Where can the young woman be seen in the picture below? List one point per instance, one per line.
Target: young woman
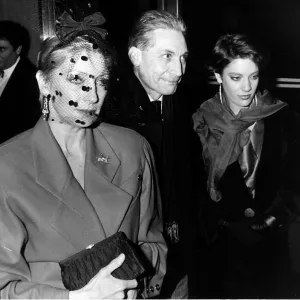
(69, 182)
(250, 143)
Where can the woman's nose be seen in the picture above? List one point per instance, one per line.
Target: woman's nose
(247, 86)
(92, 96)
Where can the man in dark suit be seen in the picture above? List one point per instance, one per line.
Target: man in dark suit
(19, 93)
(148, 104)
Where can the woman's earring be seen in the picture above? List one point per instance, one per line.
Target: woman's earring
(45, 110)
(220, 93)
(255, 100)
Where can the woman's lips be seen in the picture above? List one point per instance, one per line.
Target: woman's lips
(90, 112)
(245, 97)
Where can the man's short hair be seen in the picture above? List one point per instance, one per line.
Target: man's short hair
(150, 21)
(15, 33)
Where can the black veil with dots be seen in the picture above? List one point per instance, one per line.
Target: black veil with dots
(78, 82)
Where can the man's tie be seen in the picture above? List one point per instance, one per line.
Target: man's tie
(157, 105)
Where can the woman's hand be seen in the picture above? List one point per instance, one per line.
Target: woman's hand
(242, 231)
(132, 294)
(265, 224)
(104, 285)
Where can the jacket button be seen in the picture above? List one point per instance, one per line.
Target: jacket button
(249, 212)
(157, 287)
(140, 177)
(151, 289)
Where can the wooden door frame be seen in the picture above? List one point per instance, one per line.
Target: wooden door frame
(47, 18)
(173, 6)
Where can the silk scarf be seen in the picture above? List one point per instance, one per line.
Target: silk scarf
(223, 134)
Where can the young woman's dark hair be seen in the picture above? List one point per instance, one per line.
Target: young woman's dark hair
(233, 46)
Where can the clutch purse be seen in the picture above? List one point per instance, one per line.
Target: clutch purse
(78, 269)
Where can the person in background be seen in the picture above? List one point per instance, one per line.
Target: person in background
(150, 102)
(71, 181)
(19, 92)
(250, 146)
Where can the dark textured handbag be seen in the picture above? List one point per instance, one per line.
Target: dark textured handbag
(78, 269)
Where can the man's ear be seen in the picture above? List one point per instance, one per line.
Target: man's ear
(218, 77)
(18, 50)
(43, 85)
(135, 56)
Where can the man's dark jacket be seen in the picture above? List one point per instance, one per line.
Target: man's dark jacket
(19, 101)
(171, 137)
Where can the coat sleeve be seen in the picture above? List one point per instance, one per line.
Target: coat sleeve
(15, 273)
(286, 205)
(150, 236)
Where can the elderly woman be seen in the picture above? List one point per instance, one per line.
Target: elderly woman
(70, 182)
(250, 144)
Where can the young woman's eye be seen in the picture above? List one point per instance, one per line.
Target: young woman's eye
(167, 56)
(255, 77)
(235, 78)
(75, 78)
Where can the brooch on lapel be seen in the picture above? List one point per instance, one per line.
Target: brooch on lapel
(102, 158)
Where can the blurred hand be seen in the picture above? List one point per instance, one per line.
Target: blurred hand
(104, 286)
(265, 224)
(242, 232)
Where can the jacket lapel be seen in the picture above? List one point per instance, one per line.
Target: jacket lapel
(12, 82)
(76, 220)
(110, 202)
(143, 102)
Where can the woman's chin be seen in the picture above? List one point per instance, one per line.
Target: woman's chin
(84, 121)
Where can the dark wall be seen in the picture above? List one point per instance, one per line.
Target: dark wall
(120, 16)
(275, 23)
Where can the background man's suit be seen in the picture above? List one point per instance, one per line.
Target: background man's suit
(19, 101)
